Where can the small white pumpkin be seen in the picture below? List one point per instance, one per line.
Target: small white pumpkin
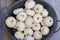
(29, 38)
(19, 35)
(29, 4)
(44, 13)
(16, 11)
(20, 26)
(21, 16)
(37, 18)
(36, 26)
(37, 35)
(29, 21)
(28, 31)
(38, 8)
(48, 21)
(30, 12)
(44, 30)
(11, 22)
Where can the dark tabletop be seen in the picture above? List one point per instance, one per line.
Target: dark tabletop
(6, 3)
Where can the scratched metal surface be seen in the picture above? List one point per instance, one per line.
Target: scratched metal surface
(54, 3)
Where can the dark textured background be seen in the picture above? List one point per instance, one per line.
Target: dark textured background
(6, 3)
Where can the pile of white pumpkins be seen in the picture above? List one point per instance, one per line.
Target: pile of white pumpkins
(31, 23)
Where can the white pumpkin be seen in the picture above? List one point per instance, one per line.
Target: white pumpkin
(38, 8)
(20, 26)
(28, 31)
(44, 30)
(36, 26)
(29, 4)
(29, 38)
(37, 18)
(30, 12)
(21, 16)
(48, 21)
(37, 35)
(16, 11)
(44, 13)
(19, 35)
(11, 22)
(29, 22)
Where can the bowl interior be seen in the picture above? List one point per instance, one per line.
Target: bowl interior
(20, 4)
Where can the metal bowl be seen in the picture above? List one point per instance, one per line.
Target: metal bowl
(20, 4)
